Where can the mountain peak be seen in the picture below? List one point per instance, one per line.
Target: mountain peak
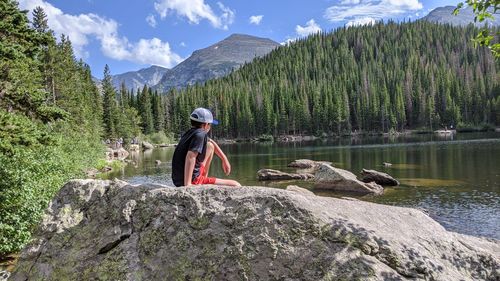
(217, 60)
(149, 76)
(466, 16)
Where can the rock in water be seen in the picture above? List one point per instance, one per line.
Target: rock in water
(328, 177)
(378, 177)
(146, 145)
(134, 147)
(306, 164)
(270, 174)
(120, 153)
(103, 230)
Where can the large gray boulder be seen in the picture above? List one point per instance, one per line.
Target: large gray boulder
(270, 174)
(328, 177)
(378, 177)
(103, 230)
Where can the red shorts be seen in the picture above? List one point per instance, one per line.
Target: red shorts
(202, 178)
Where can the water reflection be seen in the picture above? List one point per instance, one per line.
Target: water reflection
(455, 178)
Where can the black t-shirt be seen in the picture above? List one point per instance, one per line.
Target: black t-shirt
(195, 139)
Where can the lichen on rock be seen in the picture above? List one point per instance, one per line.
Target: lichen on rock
(151, 232)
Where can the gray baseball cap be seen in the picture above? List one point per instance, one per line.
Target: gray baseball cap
(203, 115)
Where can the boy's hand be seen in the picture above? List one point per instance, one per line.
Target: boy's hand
(226, 166)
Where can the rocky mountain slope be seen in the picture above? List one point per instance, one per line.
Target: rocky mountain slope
(216, 60)
(149, 76)
(110, 230)
(445, 15)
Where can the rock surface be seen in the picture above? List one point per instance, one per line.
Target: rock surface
(215, 61)
(109, 154)
(91, 173)
(270, 174)
(378, 177)
(120, 153)
(4, 275)
(103, 230)
(328, 177)
(146, 145)
(134, 147)
(306, 164)
(299, 189)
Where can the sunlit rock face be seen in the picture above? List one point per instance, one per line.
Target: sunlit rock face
(444, 15)
(216, 61)
(110, 230)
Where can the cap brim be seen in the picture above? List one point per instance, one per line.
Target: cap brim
(215, 122)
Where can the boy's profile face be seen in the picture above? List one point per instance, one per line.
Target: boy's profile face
(206, 126)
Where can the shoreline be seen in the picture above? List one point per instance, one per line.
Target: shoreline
(301, 138)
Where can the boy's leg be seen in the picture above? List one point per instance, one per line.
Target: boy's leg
(227, 182)
(208, 157)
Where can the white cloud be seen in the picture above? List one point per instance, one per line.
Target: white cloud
(358, 11)
(310, 28)
(154, 51)
(195, 11)
(349, 2)
(288, 41)
(81, 28)
(256, 19)
(361, 21)
(183, 44)
(151, 20)
(227, 16)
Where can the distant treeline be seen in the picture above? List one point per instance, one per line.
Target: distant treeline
(368, 78)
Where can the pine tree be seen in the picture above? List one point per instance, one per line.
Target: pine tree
(109, 104)
(145, 110)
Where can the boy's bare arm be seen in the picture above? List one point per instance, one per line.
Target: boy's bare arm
(226, 166)
(189, 167)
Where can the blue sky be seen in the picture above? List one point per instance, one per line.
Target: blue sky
(130, 34)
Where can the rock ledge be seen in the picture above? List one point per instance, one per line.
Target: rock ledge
(110, 230)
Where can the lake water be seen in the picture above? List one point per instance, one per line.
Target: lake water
(456, 179)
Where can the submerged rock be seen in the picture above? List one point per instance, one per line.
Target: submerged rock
(328, 177)
(378, 177)
(270, 174)
(104, 230)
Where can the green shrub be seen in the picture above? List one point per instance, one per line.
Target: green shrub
(31, 174)
(160, 138)
(265, 137)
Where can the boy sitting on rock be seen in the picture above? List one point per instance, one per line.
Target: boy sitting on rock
(193, 155)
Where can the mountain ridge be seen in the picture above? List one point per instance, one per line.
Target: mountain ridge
(216, 60)
(149, 76)
(466, 16)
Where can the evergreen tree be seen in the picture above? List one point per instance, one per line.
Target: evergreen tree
(367, 78)
(145, 111)
(109, 105)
